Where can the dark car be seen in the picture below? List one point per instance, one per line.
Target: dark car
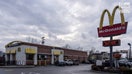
(107, 63)
(92, 61)
(60, 63)
(124, 62)
(87, 62)
(75, 62)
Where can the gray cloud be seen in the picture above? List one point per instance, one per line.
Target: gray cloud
(62, 22)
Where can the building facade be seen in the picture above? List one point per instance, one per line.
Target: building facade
(24, 53)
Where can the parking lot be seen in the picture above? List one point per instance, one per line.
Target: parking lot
(80, 69)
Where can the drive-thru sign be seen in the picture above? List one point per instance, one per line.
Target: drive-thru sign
(111, 43)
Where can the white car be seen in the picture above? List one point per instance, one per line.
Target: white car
(68, 62)
(125, 62)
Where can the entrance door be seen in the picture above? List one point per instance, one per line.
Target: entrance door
(57, 55)
(13, 59)
(29, 59)
(8, 59)
(56, 59)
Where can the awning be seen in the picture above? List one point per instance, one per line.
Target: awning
(13, 51)
(30, 51)
(7, 51)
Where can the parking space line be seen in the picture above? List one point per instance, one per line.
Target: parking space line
(8, 70)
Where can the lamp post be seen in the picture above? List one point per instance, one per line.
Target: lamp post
(129, 50)
(43, 40)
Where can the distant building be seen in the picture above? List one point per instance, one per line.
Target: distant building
(1, 53)
(124, 53)
(2, 58)
(98, 56)
(24, 53)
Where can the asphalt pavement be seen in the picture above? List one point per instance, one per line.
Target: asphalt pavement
(80, 69)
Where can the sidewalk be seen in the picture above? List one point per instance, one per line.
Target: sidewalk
(16, 66)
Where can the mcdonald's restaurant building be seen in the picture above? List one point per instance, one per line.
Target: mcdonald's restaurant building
(24, 53)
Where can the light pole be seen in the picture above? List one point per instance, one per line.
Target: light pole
(43, 40)
(129, 50)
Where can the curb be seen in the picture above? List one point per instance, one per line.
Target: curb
(17, 66)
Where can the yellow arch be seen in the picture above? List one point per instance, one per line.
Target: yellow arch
(11, 43)
(121, 15)
(102, 18)
(111, 17)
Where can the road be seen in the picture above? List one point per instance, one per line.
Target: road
(81, 69)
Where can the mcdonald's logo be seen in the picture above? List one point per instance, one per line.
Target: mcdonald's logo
(112, 29)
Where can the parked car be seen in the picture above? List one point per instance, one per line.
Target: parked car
(92, 61)
(75, 62)
(68, 62)
(130, 62)
(87, 62)
(125, 62)
(106, 63)
(60, 63)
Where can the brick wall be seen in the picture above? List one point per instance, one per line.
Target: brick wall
(68, 53)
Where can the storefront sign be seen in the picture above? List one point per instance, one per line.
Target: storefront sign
(116, 29)
(56, 52)
(30, 51)
(111, 43)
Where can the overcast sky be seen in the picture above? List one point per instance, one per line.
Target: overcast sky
(61, 22)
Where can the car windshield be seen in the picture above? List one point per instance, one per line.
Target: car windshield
(61, 61)
(123, 59)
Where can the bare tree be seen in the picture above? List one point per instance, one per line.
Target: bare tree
(92, 50)
(66, 46)
(80, 48)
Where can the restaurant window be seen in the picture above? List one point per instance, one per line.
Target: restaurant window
(29, 56)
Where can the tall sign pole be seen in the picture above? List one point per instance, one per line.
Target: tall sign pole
(112, 30)
(111, 53)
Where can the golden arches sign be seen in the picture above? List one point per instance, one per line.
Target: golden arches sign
(120, 28)
(111, 17)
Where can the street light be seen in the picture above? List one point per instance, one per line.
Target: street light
(43, 40)
(129, 50)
